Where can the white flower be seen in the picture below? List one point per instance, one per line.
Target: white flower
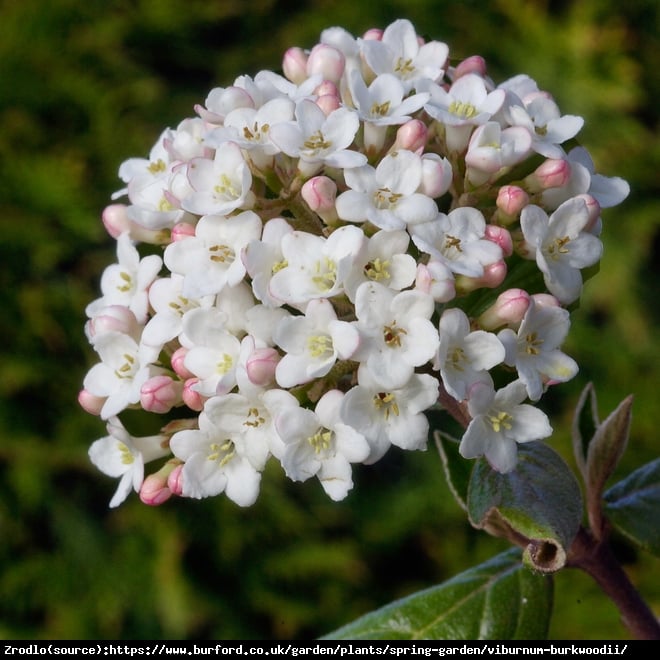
(399, 52)
(388, 417)
(169, 307)
(313, 343)
(548, 128)
(213, 351)
(313, 266)
(464, 357)
(318, 443)
(396, 332)
(387, 195)
(560, 246)
(221, 185)
(123, 369)
(119, 454)
(499, 421)
(318, 140)
(534, 349)
(457, 240)
(491, 148)
(384, 259)
(214, 463)
(127, 282)
(211, 259)
(263, 258)
(382, 103)
(466, 102)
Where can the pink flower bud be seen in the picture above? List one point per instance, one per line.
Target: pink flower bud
(473, 64)
(90, 402)
(160, 394)
(436, 175)
(175, 480)
(552, 173)
(193, 399)
(510, 201)
(493, 276)
(437, 280)
(327, 87)
(260, 366)
(182, 230)
(328, 103)
(374, 34)
(115, 219)
(508, 309)
(177, 362)
(294, 65)
(327, 61)
(155, 488)
(320, 193)
(501, 237)
(411, 136)
(113, 318)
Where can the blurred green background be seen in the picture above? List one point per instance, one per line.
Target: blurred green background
(85, 85)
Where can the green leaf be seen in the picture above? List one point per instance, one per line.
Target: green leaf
(499, 599)
(538, 505)
(457, 469)
(606, 448)
(633, 506)
(585, 423)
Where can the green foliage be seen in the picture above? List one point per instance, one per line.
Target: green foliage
(500, 599)
(87, 85)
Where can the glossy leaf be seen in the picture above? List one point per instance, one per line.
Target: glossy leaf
(499, 599)
(538, 505)
(633, 506)
(457, 469)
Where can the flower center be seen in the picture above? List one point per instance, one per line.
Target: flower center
(126, 455)
(224, 364)
(377, 270)
(319, 345)
(254, 418)
(257, 134)
(128, 282)
(557, 247)
(501, 420)
(392, 335)
(326, 274)
(532, 344)
(316, 142)
(453, 243)
(221, 254)
(386, 403)
(221, 453)
(158, 166)
(404, 67)
(321, 440)
(380, 109)
(384, 198)
(127, 369)
(226, 189)
(462, 109)
(455, 358)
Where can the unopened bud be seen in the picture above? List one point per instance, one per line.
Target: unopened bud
(328, 103)
(175, 480)
(294, 65)
(178, 363)
(115, 219)
(493, 276)
(182, 230)
(374, 34)
(473, 64)
(113, 318)
(326, 61)
(90, 402)
(437, 280)
(192, 398)
(155, 489)
(436, 175)
(411, 135)
(160, 394)
(594, 224)
(510, 202)
(320, 193)
(500, 236)
(552, 173)
(545, 300)
(508, 309)
(260, 366)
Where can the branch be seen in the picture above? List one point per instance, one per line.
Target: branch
(596, 558)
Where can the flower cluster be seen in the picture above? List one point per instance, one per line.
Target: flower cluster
(326, 254)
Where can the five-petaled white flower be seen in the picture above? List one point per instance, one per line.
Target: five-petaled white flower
(119, 454)
(534, 349)
(561, 246)
(499, 421)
